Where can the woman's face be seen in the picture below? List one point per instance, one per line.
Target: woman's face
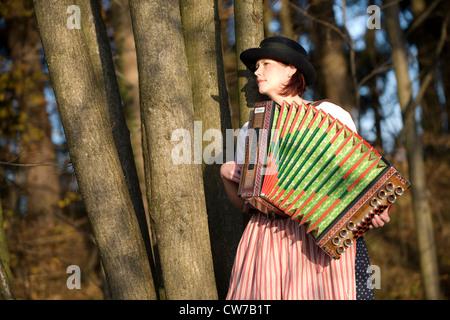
(272, 76)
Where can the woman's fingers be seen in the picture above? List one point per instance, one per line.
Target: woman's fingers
(237, 173)
(231, 171)
(382, 219)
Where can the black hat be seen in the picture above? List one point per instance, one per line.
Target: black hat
(284, 50)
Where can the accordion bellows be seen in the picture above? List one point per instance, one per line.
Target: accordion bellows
(303, 163)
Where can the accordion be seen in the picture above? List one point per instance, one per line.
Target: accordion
(304, 164)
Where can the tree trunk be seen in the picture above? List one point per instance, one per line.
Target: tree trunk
(249, 31)
(177, 199)
(421, 207)
(41, 182)
(333, 64)
(286, 22)
(129, 87)
(211, 107)
(103, 66)
(126, 63)
(426, 38)
(371, 62)
(4, 252)
(6, 292)
(86, 121)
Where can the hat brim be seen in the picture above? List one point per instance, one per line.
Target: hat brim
(250, 56)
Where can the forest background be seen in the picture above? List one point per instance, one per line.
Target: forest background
(78, 99)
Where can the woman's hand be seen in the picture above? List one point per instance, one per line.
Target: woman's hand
(382, 219)
(231, 175)
(231, 170)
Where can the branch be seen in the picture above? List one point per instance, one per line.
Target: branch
(426, 81)
(422, 17)
(380, 69)
(323, 22)
(65, 164)
(352, 59)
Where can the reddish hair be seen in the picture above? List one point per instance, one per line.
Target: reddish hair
(295, 86)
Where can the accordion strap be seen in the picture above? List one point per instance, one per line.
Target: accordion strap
(249, 209)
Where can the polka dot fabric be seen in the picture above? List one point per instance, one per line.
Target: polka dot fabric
(362, 262)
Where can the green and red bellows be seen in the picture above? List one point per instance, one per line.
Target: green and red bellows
(305, 164)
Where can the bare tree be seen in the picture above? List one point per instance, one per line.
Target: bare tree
(6, 292)
(421, 206)
(85, 115)
(211, 107)
(175, 188)
(249, 30)
(4, 252)
(100, 55)
(333, 66)
(287, 24)
(128, 78)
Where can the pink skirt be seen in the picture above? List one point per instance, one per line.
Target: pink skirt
(277, 260)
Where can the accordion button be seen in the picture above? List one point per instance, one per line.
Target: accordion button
(340, 250)
(343, 233)
(389, 186)
(348, 242)
(374, 202)
(351, 225)
(391, 198)
(382, 194)
(336, 241)
(399, 191)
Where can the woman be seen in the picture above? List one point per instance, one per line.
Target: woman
(275, 258)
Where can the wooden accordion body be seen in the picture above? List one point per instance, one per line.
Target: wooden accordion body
(304, 164)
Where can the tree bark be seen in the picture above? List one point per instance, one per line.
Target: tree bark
(371, 62)
(6, 292)
(128, 79)
(177, 199)
(421, 206)
(4, 252)
(211, 107)
(86, 121)
(286, 22)
(100, 55)
(333, 64)
(249, 32)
